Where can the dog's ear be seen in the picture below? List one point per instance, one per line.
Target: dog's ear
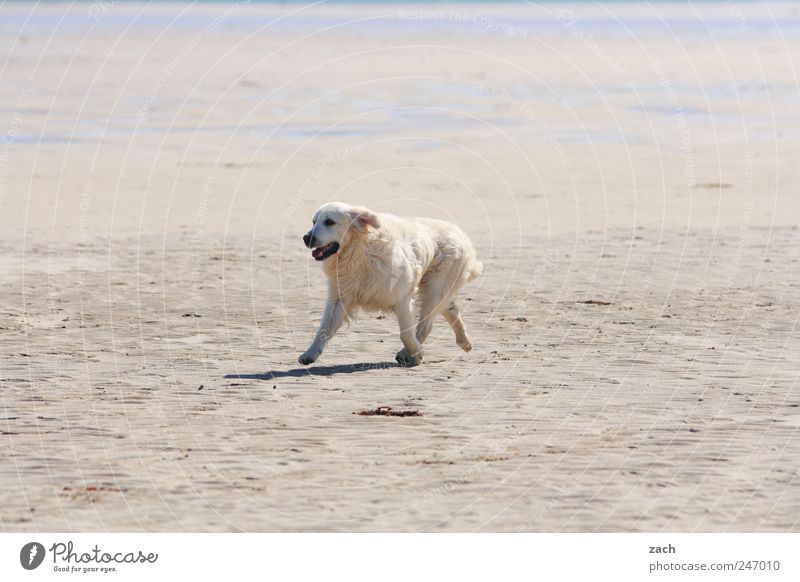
(363, 217)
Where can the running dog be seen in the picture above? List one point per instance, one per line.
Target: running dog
(382, 262)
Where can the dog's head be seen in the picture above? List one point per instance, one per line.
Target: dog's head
(333, 223)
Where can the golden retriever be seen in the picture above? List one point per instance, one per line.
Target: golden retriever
(382, 262)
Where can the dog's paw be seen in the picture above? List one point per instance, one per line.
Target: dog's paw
(465, 345)
(407, 359)
(308, 358)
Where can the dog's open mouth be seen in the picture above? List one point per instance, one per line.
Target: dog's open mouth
(322, 253)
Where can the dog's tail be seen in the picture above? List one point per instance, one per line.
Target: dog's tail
(473, 270)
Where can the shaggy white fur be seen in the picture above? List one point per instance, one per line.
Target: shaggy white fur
(388, 263)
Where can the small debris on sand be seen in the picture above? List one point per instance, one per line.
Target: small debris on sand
(595, 302)
(95, 489)
(719, 185)
(388, 411)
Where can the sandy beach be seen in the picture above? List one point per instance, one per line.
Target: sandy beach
(628, 174)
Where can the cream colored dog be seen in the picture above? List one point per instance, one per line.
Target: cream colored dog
(382, 262)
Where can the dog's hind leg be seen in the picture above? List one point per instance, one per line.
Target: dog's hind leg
(411, 354)
(453, 317)
(332, 319)
(431, 297)
(435, 296)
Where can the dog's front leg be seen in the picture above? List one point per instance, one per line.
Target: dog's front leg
(332, 319)
(411, 354)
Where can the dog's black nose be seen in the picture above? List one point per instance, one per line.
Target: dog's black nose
(307, 240)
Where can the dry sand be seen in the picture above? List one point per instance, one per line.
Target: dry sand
(157, 173)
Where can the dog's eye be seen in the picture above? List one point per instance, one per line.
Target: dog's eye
(329, 222)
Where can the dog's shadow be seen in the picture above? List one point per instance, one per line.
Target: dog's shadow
(316, 371)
